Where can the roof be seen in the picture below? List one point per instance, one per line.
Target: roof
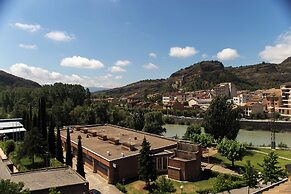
(43, 179)
(11, 126)
(124, 135)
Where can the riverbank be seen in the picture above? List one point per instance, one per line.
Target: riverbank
(253, 137)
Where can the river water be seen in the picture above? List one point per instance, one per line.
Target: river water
(257, 138)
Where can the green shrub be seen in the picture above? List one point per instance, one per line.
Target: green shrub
(9, 147)
(121, 187)
(204, 191)
(282, 145)
(164, 186)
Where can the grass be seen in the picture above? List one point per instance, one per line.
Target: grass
(283, 153)
(137, 187)
(254, 157)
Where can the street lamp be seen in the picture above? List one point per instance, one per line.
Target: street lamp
(181, 188)
(273, 143)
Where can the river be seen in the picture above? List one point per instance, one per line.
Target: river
(257, 138)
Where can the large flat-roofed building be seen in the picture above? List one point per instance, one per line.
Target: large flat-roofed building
(113, 151)
(65, 179)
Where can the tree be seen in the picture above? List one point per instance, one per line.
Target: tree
(205, 140)
(191, 130)
(221, 119)
(137, 119)
(59, 150)
(222, 183)
(9, 147)
(69, 156)
(164, 186)
(147, 171)
(8, 187)
(52, 139)
(154, 122)
(54, 191)
(33, 145)
(42, 117)
(232, 150)
(80, 162)
(271, 171)
(250, 176)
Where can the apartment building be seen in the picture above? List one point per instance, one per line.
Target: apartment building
(285, 108)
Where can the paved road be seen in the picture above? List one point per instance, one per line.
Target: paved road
(97, 182)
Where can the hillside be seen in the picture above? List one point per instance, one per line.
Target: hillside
(206, 74)
(9, 80)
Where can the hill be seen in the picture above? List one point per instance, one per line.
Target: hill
(206, 74)
(9, 80)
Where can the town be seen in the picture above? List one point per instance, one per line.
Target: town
(145, 97)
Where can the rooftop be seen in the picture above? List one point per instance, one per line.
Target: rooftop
(125, 138)
(44, 178)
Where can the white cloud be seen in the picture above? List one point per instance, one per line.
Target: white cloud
(152, 55)
(227, 54)
(59, 36)
(122, 63)
(116, 69)
(182, 52)
(118, 77)
(28, 46)
(204, 56)
(150, 66)
(28, 27)
(43, 76)
(81, 62)
(279, 51)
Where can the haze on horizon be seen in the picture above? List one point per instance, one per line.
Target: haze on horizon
(110, 43)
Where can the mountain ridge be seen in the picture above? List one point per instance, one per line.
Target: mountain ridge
(206, 74)
(9, 80)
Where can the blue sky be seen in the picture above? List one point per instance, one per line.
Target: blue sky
(111, 43)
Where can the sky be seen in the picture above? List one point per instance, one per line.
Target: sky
(111, 43)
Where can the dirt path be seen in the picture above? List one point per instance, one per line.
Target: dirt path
(281, 157)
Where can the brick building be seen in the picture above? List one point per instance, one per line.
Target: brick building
(185, 164)
(113, 151)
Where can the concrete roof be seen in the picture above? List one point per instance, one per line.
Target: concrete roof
(44, 179)
(101, 148)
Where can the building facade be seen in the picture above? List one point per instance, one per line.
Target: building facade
(285, 108)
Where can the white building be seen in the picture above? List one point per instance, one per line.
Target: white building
(11, 129)
(285, 108)
(241, 99)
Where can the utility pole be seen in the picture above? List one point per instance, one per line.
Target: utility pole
(273, 142)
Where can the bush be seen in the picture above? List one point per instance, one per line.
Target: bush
(121, 187)
(282, 145)
(168, 120)
(9, 147)
(164, 186)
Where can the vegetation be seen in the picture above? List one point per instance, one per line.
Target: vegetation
(164, 186)
(121, 187)
(250, 175)
(221, 119)
(226, 182)
(232, 150)
(54, 191)
(271, 171)
(52, 140)
(9, 146)
(33, 145)
(80, 162)
(147, 171)
(8, 187)
(69, 156)
(59, 150)
(192, 130)
(154, 123)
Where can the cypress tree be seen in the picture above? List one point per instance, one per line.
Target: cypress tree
(59, 151)
(80, 162)
(52, 139)
(147, 170)
(69, 156)
(42, 117)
